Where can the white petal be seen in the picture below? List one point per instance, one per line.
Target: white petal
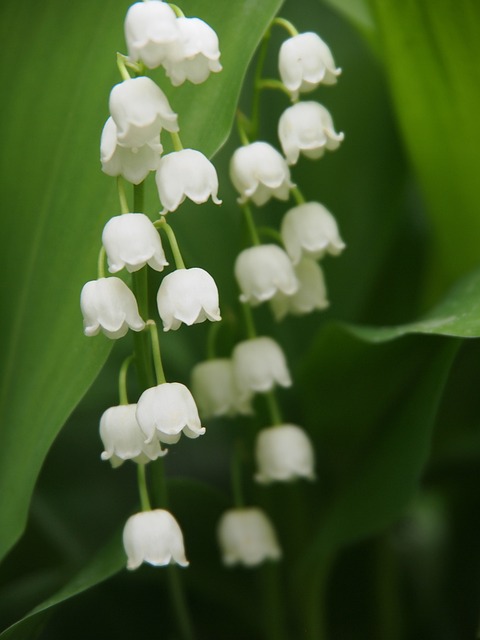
(284, 453)
(258, 365)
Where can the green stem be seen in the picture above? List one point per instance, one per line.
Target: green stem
(268, 232)
(298, 195)
(252, 229)
(177, 256)
(236, 475)
(177, 595)
(276, 85)
(249, 323)
(178, 12)
(122, 67)
(212, 340)
(177, 143)
(143, 354)
(101, 262)
(122, 196)
(122, 380)
(273, 408)
(287, 25)
(142, 488)
(241, 121)
(157, 358)
(138, 197)
(274, 611)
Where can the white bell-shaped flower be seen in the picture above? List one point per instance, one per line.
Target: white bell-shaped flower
(262, 271)
(133, 164)
(196, 54)
(246, 536)
(258, 172)
(153, 537)
(311, 294)
(140, 110)
(166, 410)
(131, 241)
(215, 391)
(108, 304)
(151, 32)
(123, 439)
(310, 229)
(186, 174)
(307, 127)
(258, 365)
(305, 61)
(189, 296)
(284, 453)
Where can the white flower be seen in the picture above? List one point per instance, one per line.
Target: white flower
(186, 174)
(246, 536)
(258, 171)
(151, 32)
(196, 54)
(131, 241)
(166, 410)
(262, 271)
(214, 389)
(283, 453)
(305, 61)
(134, 164)
(258, 365)
(189, 296)
(140, 110)
(109, 305)
(310, 229)
(123, 439)
(154, 537)
(307, 127)
(311, 294)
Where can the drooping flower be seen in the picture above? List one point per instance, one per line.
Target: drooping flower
(131, 241)
(258, 365)
(186, 174)
(305, 61)
(310, 229)
(263, 271)
(108, 304)
(123, 439)
(214, 389)
(166, 410)
(151, 32)
(307, 127)
(153, 537)
(258, 172)
(189, 296)
(196, 54)
(140, 110)
(246, 536)
(311, 294)
(284, 453)
(133, 164)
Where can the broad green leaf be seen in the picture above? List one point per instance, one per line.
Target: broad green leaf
(56, 201)
(358, 13)
(457, 315)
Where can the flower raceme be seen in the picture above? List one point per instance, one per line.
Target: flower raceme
(153, 537)
(108, 305)
(284, 452)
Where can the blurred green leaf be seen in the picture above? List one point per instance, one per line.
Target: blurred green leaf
(457, 315)
(56, 201)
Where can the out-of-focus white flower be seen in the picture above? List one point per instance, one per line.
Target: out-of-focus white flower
(310, 229)
(166, 410)
(262, 271)
(108, 304)
(151, 32)
(123, 439)
(246, 536)
(258, 365)
(311, 294)
(133, 164)
(131, 241)
(307, 127)
(189, 296)
(186, 174)
(196, 54)
(153, 537)
(215, 392)
(283, 453)
(258, 172)
(305, 61)
(140, 110)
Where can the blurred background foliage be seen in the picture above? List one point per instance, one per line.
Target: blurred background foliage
(384, 544)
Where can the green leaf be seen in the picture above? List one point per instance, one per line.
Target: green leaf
(56, 201)
(457, 315)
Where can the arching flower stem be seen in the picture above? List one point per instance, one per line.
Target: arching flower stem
(177, 143)
(157, 358)
(142, 488)
(122, 380)
(177, 256)
(236, 475)
(178, 12)
(298, 195)
(252, 229)
(285, 24)
(122, 196)
(277, 85)
(249, 323)
(268, 232)
(101, 262)
(243, 123)
(273, 408)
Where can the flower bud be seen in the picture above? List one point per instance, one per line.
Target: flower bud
(283, 453)
(258, 365)
(214, 389)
